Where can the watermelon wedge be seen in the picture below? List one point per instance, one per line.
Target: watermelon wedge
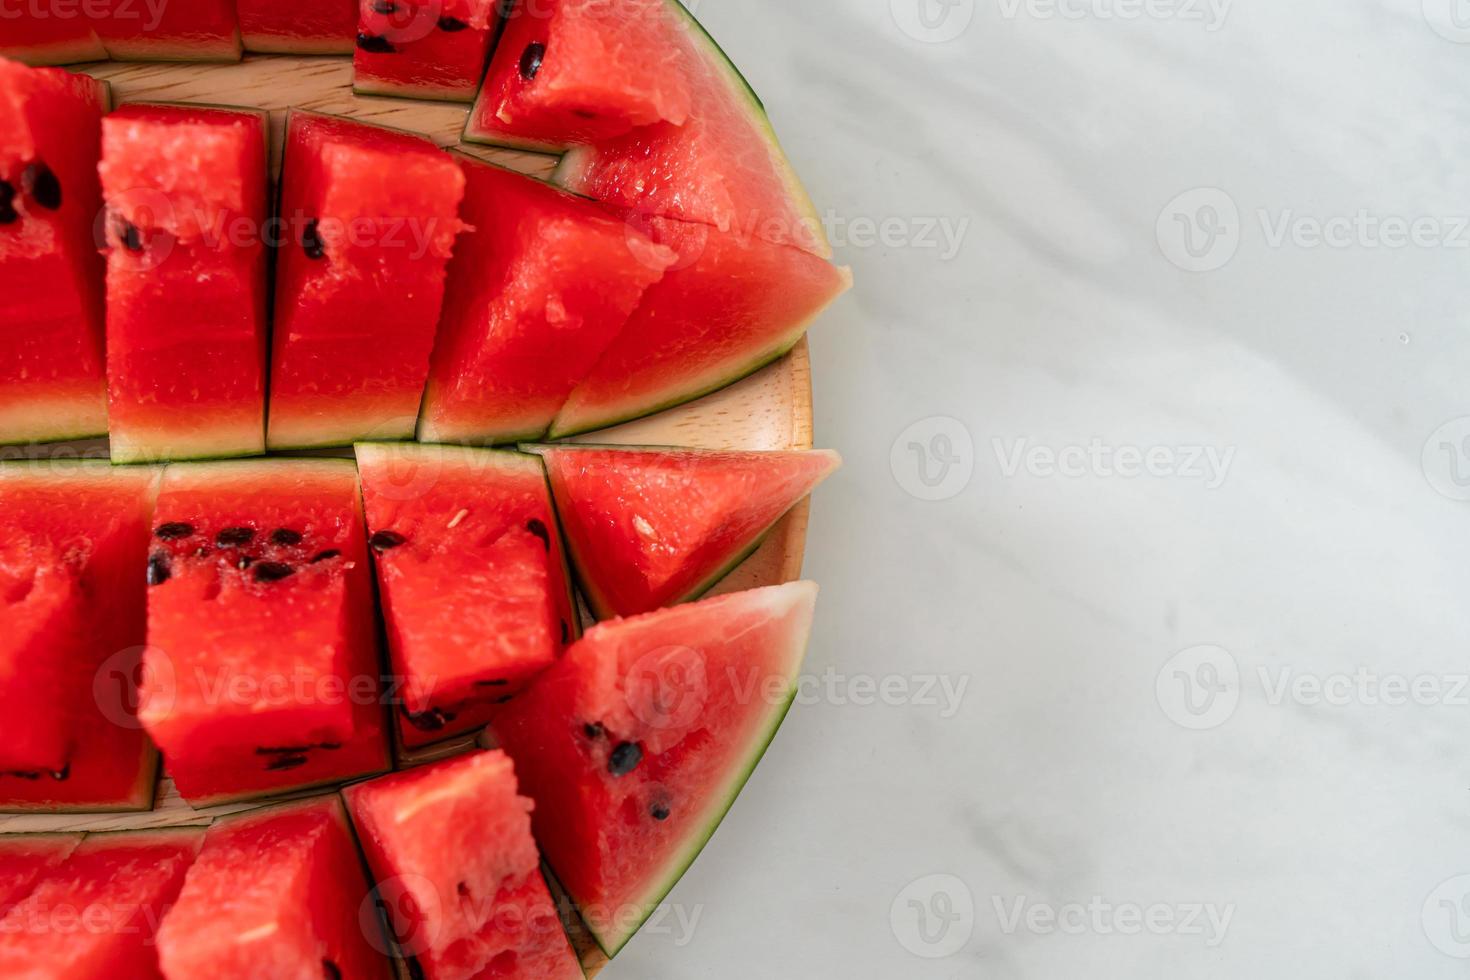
(371, 215)
(729, 307)
(450, 845)
(278, 892)
(138, 30)
(637, 742)
(73, 538)
(648, 528)
(50, 40)
(537, 291)
(24, 858)
(95, 916)
(53, 379)
(261, 673)
(423, 49)
(474, 586)
(187, 314)
(580, 71)
(289, 27)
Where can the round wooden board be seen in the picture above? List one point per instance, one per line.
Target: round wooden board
(770, 410)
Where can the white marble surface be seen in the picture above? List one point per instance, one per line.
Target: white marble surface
(1319, 546)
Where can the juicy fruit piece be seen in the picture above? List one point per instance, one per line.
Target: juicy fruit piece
(637, 742)
(371, 215)
(200, 30)
(52, 369)
(72, 541)
(648, 528)
(423, 49)
(275, 893)
(537, 291)
(95, 916)
(290, 27)
(51, 41)
(185, 189)
(451, 847)
(474, 586)
(580, 71)
(723, 166)
(729, 307)
(261, 671)
(24, 858)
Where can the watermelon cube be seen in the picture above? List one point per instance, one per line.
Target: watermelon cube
(52, 40)
(278, 892)
(423, 49)
(24, 858)
(539, 286)
(291, 27)
(53, 380)
(370, 215)
(187, 314)
(450, 845)
(261, 673)
(475, 591)
(160, 30)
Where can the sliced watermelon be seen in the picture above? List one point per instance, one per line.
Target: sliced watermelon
(138, 30)
(423, 49)
(73, 538)
(474, 586)
(370, 216)
(723, 166)
(261, 673)
(95, 916)
(52, 369)
(290, 27)
(537, 291)
(24, 858)
(728, 308)
(451, 848)
(187, 313)
(50, 40)
(278, 892)
(579, 71)
(637, 742)
(648, 528)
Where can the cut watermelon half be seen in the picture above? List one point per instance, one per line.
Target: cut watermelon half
(73, 539)
(291, 27)
(474, 586)
(135, 30)
(423, 49)
(53, 379)
(187, 314)
(278, 892)
(261, 673)
(648, 528)
(451, 848)
(635, 745)
(51, 40)
(95, 916)
(537, 291)
(24, 858)
(580, 71)
(370, 216)
(728, 308)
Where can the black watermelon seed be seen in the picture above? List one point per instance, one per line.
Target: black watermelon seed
(451, 25)
(505, 700)
(385, 7)
(233, 537)
(330, 971)
(463, 889)
(8, 214)
(531, 59)
(625, 758)
(311, 236)
(29, 776)
(41, 184)
(285, 537)
(272, 571)
(245, 562)
(326, 555)
(159, 570)
(376, 45)
(432, 720)
(536, 527)
(173, 531)
(658, 812)
(491, 683)
(129, 235)
(386, 540)
(594, 730)
(286, 762)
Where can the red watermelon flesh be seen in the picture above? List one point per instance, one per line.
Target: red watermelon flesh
(423, 49)
(728, 308)
(637, 742)
(470, 568)
(276, 893)
(53, 40)
(723, 166)
(52, 369)
(537, 291)
(95, 916)
(580, 71)
(261, 673)
(24, 858)
(648, 528)
(370, 216)
(74, 536)
(160, 30)
(291, 27)
(451, 847)
(187, 314)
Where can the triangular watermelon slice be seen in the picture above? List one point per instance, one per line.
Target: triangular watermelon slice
(649, 528)
(24, 858)
(635, 745)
